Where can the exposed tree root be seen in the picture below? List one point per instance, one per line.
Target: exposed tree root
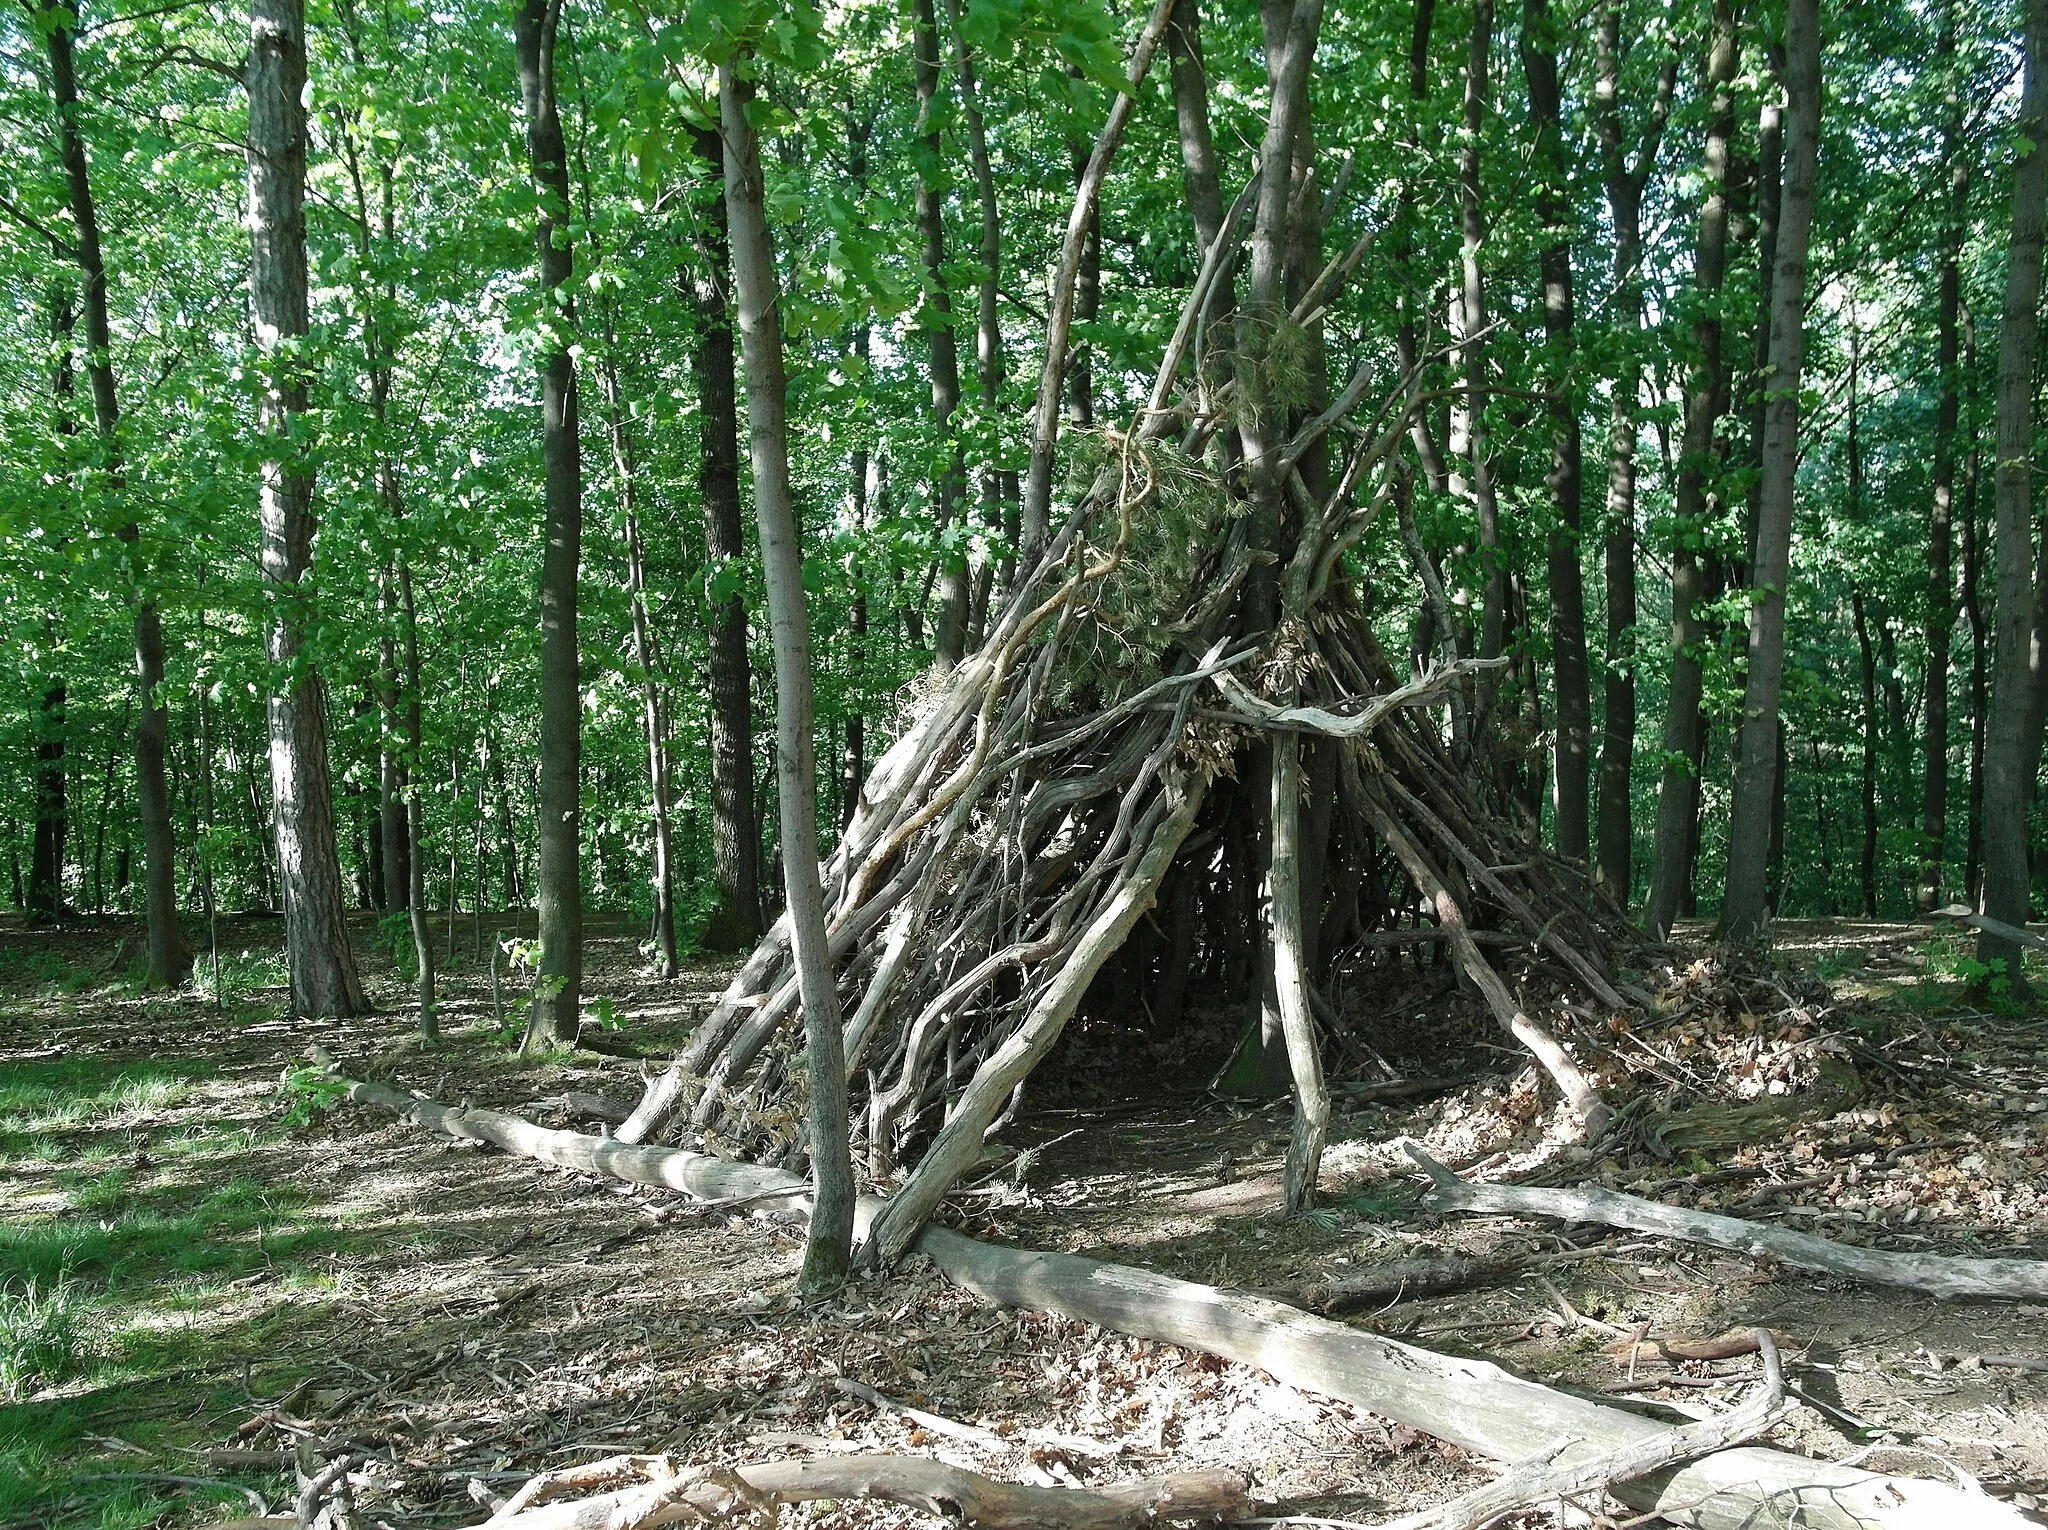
(1471, 1403)
(1936, 1274)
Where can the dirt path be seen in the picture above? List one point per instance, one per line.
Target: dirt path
(253, 1264)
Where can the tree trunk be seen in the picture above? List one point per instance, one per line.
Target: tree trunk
(1574, 701)
(1087, 297)
(1199, 173)
(1927, 892)
(45, 899)
(391, 832)
(1973, 611)
(415, 813)
(735, 923)
(1679, 789)
(557, 1001)
(1468, 331)
(950, 633)
(1035, 514)
(991, 366)
(827, 1251)
(323, 971)
(1867, 669)
(626, 468)
(1613, 867)
(168, 954)
(2012, 744)
(1744, 907)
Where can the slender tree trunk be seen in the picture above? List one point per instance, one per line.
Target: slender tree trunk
(1679, 789)
(1973, 611)
(1867, 667)
(950, 632)
(1035, 514)
(508, 839)
(1567, 476)
(1927, 893)
(991, 367)
(557, 1002)
(1199, 172)
(168, 954)
(1613, 866)
(1744, 907)
(1087, 298)
(1470, 331)
(854, 763)
(323, 971)
(735, 924)
(396, 892)
(415, 812)
(827, 1249)
(2012, 744)
(626, 468)
(45, 902)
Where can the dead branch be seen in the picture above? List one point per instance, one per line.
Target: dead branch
(1401, 1280)
(695, 1494)
(1936, 1274)
(936, 1423)
(1542, 1477)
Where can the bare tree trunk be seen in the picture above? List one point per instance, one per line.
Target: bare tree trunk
(323, 972)
(1035, 516)
(397, 889)
(2012, 745)
(1927, 893)
(1973, 611)
(627, 471)
(1744, 908)
(950, 633)
(1867, 670)
(169, 956)
(991, 366)
(557, 1000)
(1570, 831)
(415, 813)
(735, 924)
(1469, 330)
(45, 901)
(2012, 742)
(828, 1247)
(1613, 866)
(1678, 791)
(1199, 172)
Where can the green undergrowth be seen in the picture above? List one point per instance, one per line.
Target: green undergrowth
(149, 1248)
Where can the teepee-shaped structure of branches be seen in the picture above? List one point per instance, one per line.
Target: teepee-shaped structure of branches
(1078, 769)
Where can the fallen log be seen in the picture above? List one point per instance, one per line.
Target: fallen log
(1673, 1350)
(1471, 1403)
(1936, 1274)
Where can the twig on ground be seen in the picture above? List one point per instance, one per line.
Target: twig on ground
(255, 1499)
(973, 1434)
(1937, 1274)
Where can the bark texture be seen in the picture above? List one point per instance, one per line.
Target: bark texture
(828, 1250)
(558, 993)
(2012, 744)
(323, 971)
(735, 923)
(1745, 905)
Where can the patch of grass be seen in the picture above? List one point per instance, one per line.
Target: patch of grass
(47, 1334)
(49, 1477)
(71, 1092)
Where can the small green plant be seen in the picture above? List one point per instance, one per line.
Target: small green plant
(305, 1091)
(1389, 1204)
(45, 1335)
(603, 1014)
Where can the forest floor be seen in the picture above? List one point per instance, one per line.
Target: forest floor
(197, 1255)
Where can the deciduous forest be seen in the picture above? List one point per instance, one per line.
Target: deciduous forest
(1040, 761)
